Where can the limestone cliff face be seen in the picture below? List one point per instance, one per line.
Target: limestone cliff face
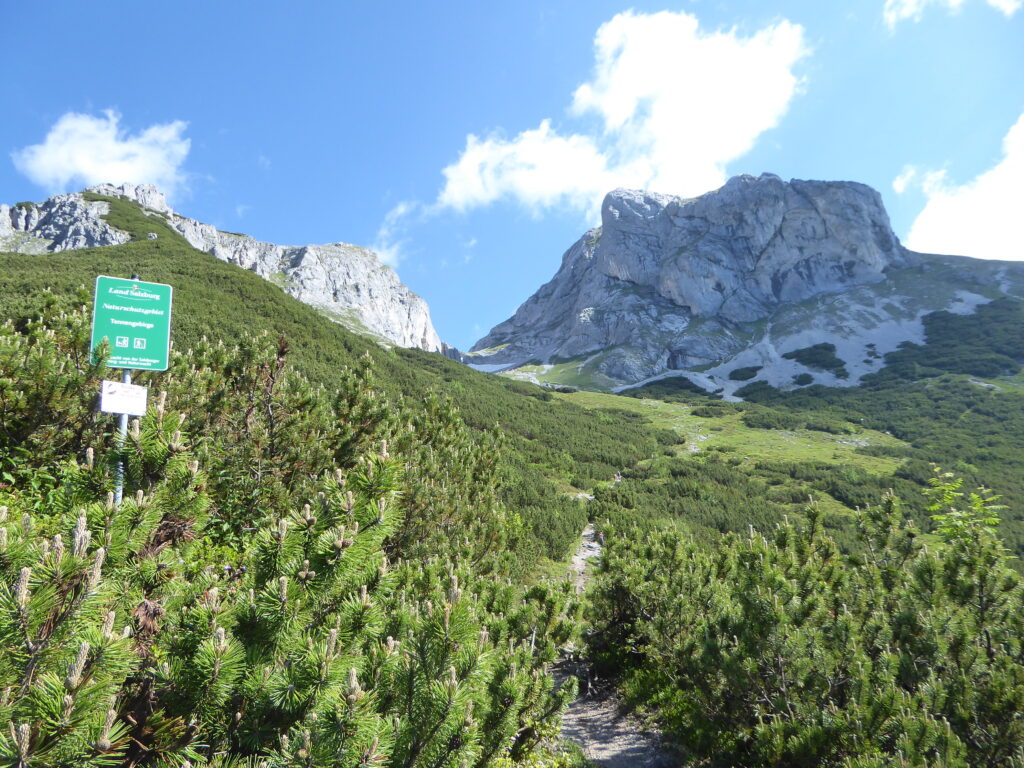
(755, 243)
(346, 282)
(62, 223)
(668, 284)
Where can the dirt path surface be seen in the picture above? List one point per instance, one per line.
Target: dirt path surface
(588, 550)
(607, 737)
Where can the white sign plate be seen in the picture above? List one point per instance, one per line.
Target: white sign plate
(117, 397)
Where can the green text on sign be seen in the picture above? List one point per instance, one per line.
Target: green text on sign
(135, 319)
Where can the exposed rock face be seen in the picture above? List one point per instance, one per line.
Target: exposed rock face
(62, 223)
(346, 282)
(146, 195)
(671, 284)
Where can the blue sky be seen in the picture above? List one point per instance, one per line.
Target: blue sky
(471, 143)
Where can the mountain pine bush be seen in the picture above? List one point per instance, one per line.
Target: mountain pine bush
(278, 587)
(779, 650)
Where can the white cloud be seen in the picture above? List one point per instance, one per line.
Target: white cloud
(896, 11)
(83, 150)
(1006, 7)
(389, 242)
(905, 179)
(537, 167)
(673, 105)
(979, 218)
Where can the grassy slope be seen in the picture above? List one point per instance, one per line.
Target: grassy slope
(748, 449)
(554, 446)
(729, 434)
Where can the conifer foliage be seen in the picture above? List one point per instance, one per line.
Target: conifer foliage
(779, 650)
(252, 601)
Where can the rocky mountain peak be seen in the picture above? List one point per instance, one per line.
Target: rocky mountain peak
(62, 223)
(668, 285)
(146, 195)
(739, 251)
(347, 283)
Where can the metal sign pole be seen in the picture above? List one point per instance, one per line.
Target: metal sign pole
(122, 436)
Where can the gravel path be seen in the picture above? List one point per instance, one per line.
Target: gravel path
(588, 550)
(606, 736)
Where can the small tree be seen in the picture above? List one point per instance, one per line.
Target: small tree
(954, 521)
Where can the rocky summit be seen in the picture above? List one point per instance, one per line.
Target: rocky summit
(346, 282)
(62, 223)
(739, 279)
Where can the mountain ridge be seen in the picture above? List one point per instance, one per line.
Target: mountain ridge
(346, 282)
(735, 279)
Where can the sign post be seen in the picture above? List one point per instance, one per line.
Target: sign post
(134, 318)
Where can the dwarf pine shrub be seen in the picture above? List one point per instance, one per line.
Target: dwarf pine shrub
(256, 598)
(776, 649)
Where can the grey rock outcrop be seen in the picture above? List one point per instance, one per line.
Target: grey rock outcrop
(668, 284)
(146, 195)
(62, 223)
(346, 282)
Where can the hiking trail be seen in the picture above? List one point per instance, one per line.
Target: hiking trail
(607, 737)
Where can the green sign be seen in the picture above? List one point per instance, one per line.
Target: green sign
(135, 319)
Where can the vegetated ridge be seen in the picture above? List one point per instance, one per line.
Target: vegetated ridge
(347, 283)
